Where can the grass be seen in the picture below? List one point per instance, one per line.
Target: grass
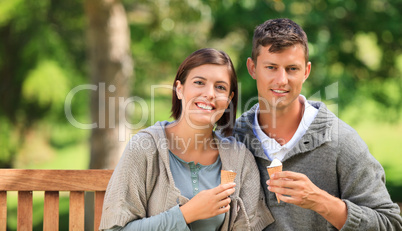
(385, 144)
(69, 157)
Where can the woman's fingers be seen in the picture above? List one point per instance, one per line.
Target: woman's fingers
(222, 187)
(224, 209)
(223, 191)
(224, 194)
(224, 202)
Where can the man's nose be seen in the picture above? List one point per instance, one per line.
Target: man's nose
(281, 77)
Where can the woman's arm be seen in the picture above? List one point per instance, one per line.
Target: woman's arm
(206, 204)
(169, 220)
(127, 192)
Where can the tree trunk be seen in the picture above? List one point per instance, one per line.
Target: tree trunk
(111, 67)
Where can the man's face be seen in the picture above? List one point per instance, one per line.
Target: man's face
(280, 76)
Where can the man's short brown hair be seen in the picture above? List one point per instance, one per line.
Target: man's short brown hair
(280, 33)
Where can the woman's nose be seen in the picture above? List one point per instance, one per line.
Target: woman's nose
(209, 92)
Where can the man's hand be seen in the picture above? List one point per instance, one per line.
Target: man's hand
(300, 191)
(208, 203)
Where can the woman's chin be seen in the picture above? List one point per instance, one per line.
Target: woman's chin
(201, 123)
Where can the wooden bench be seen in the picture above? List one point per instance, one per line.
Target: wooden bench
(77, 182)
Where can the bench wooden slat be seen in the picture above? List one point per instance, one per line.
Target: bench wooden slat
(77, 211)
(54, 180)
(24, 211)
(77, 182)
(3, 211)
(51, 211)
(99, 196)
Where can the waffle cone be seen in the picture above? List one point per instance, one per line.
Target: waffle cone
(227, 176)
(272, 170)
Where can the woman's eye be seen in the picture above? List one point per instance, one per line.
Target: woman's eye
(223, 88)
(198, 82)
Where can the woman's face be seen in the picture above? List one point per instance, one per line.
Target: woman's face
(205, 95)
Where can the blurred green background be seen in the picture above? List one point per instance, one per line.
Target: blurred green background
(355, 50)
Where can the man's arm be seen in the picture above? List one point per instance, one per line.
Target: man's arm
(368, 205)
(302, 192)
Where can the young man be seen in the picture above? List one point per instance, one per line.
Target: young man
(330, 179)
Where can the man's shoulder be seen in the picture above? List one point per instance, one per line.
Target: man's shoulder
(327, 117)
(246, 120)
(248, 114)
(341, 132)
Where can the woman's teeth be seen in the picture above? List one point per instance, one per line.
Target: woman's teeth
(204, 106)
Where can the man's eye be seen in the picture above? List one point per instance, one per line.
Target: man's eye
(270, 67)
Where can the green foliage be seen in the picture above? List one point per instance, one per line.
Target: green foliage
(162, 36)
(46, 85)
(8, 143)
(8, 10)
(38, 65)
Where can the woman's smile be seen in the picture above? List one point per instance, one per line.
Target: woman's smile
(205, 106)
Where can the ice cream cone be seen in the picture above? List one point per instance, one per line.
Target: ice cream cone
(227, 176)
(272, 170)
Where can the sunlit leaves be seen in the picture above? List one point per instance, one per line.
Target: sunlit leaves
(8, 9)
(46, 85)
(368, 51)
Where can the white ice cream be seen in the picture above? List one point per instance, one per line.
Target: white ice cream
(275, 163)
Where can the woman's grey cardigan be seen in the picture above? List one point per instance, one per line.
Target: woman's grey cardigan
(142, 184)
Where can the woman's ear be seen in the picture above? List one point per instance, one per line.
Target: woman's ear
(179, 90)
(231, 96)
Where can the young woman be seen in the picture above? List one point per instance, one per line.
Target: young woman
(169, 175)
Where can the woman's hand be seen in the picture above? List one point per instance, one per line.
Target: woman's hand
(208, 203)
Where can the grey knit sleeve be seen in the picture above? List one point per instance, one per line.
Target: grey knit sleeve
(126, 194)
(362, 184)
